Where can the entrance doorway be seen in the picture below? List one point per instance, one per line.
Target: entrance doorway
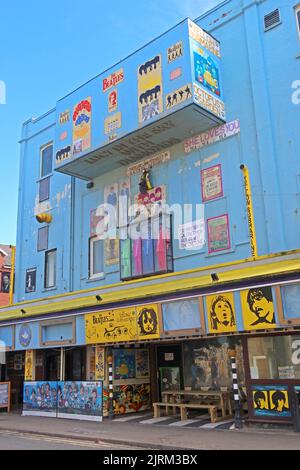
(52, 362)
(169, 364)
(75, 364)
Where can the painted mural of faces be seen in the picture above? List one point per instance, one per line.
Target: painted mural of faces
(147, 321)
(221, 313)
(261, 304)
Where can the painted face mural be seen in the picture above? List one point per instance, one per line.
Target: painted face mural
(271, 400)
(258, 308)
(148, 321)
(221, 313)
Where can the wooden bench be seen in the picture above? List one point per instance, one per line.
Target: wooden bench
(212, 409)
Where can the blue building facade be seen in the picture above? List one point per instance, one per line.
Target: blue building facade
(172, 123)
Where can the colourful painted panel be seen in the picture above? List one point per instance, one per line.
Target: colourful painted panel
(271, 400)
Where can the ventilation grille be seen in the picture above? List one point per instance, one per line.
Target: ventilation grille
(272, 19)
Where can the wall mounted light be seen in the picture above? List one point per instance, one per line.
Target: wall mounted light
(214, 277)
(90, 185)
(23, 311)
(98, 298)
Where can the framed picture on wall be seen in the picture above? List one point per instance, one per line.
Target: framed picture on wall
(211, 183)
(218, 237)
(30, 281)
(5, 282)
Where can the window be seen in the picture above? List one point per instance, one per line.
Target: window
(44, 189)
(146, 248)
(272, 19)
(274, 357)
(96, 258)
(50, 269)
(297, 12)
(46, 160)
(42, 243)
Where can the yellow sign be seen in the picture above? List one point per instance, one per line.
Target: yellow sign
(124, 324)
(221, 313)
(150, 98)
(258, 308)
(29, 365)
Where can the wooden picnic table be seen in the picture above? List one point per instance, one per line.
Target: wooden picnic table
(218, 397)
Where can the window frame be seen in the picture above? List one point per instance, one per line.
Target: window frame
(47, 253)
(46, 229)
(40, 181)
(42, 149)
(91, 275)
(297, 16)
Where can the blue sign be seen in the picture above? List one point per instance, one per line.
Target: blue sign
(25, 335)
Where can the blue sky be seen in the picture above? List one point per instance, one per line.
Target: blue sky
(49, 48)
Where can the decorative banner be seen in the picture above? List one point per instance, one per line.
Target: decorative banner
(124, 364)
(112, 80)
(216, 134)
(154, 196)
(29, 365)
(99, 363)
(79, 400)
(206, 71)
(82, 115)
(221, 313)
(218, 233)
(97, 223)
(157, 159)
(142, 363)
(191, 235)
(258, 308)
(112, 101)
(111, 251)
(64, 117)
(178, 96)
(150, 97)
(203, 38)
(40, 398)
(211, 183)
(271, 400)
(112, 123)
(175, 51)
(209, 102)
(126, 324)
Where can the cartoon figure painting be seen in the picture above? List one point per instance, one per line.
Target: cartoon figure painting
(271, 400)
(220, 312)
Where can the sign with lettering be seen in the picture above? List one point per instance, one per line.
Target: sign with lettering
(216, 134)
(112, 80)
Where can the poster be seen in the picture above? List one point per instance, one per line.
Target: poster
(203, 38)
(156, 195)
(271, 400)
(124, 324)
(208, 101)
(5, 282)
(112, 123)
(82, 115)
(124, 202)
(150, 94)
(124, 364)
(30, 282)
(258, 308)
(40, 398)
(99, 363)
(220, 311)
(218, 233)
(206, 71)
(131, 398)
(79, 400)
(111, 243)
(97, 223)
(169, 378)
(142, 363)
(211, 183)
(175, 51)
(4, 394)
(178, 96)
(191, 235)
(29, 365)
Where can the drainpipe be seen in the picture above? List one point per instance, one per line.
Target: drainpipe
(12, 276)
(250, 215)
(72, 231)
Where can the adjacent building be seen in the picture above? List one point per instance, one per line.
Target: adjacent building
(202, 120)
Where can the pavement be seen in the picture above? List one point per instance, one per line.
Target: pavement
(143, 433)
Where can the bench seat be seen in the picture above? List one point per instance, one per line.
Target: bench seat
(212, 409)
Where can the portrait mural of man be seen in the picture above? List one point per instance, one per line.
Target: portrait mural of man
(147, 320)
(258, 308)
(260, 399)
(5, 282)
(221, 313)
